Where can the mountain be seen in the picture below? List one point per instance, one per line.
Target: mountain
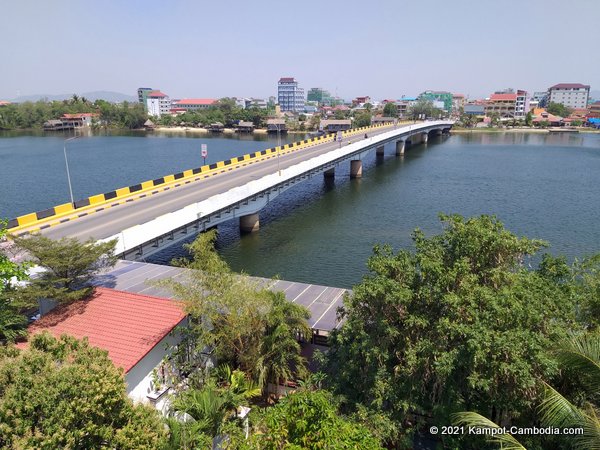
(109, 96)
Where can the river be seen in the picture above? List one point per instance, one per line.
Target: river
(540, 185)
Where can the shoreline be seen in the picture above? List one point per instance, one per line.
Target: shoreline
(516, 130)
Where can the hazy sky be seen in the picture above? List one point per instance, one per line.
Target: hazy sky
(381, 48)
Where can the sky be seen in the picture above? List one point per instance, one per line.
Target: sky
(380, 48)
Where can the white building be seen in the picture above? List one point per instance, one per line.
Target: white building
(157, 103)
(289, 96)
(571, 95)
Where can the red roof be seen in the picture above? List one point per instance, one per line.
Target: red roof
(78, 115)
(195, 101)
(569, 86)
(156, 94)
(127, 325)
(500, 97)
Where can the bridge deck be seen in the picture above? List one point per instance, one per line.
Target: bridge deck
(321, 301)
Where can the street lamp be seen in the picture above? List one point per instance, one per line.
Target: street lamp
(67, 165)
(278, 147)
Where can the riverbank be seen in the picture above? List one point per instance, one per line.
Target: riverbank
(517, 130)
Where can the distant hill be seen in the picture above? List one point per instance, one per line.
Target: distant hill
(595, 95)
(109, 96)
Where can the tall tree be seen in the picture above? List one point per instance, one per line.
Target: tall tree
(69, 266)
(65, 394)
(460, 324)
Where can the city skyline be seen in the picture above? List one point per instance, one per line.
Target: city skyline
(345, 47)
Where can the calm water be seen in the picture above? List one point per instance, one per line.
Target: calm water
(540, 185)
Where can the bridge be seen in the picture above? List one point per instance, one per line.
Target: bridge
(148, 216)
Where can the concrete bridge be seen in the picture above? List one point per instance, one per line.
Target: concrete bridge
(148, 216)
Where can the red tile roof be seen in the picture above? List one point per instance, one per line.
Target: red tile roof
(127, 325)
(503, 97)
(195, 101)
(156, 94)
(287, 80)
(569, 86)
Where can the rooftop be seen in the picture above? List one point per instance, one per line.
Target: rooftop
(156, 94)
(287, 80)
(503, 97)
(125, 324)
(195, 101)
(570, 86)
(78, 115)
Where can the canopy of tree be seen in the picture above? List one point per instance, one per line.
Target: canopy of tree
(69, 266)
(558, 109)
(65, 394)
(459, 324)
(33, 115)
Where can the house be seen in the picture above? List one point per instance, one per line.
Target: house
(245, 127)
(332, 125)
(134, 329)
(215, 127)
(276, 126)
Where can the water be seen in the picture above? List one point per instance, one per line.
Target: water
(540, 185)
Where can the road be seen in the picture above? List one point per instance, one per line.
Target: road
(111, 221)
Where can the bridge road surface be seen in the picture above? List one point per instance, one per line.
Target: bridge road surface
(113, 220)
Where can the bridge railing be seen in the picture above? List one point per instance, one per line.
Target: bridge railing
(56, 215)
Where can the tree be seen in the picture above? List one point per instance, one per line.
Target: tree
(309, 420)
(362, 119)
(460, 324)
(558, 109)
(390, 110)
(69, 267)
(529, 119)
(235, 317)
(12, 323)
(62, 393)
(423, 109)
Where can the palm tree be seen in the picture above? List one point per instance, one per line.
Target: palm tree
(280, 360)
(473, 419)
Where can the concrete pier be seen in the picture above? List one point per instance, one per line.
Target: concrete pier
(356, 168)
(249, 223)
(400, 148)
(329, 173)
(424, 138)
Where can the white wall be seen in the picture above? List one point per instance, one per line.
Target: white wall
(139, 378)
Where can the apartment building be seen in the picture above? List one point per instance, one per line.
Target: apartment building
(571, 95)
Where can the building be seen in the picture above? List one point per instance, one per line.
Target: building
(360, 101)
(458, 103)
(439, 96)
(594, 110)
(321, 96)
(78, 120)
(474, 109)
(143, 95)
(276, 126)
(508, 104)
(333, 125)
(136, 330)
(244, 127)
(541, 98)
(193, 104)
(289, 95)
(157, 103)
(571, 95)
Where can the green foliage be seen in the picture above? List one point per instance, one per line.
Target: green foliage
(529, 119)
(362, 119)
(472, 419)
(558, 109)
(587, 273)
(12, 323)
(460, 324)
(33, 115)
(62, 393)
(423, 109)
(309, 420)
(69, 266)
(390, 110)
(248, 326)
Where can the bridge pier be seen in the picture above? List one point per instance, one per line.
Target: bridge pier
(356, 168)
(400, 148)
(379, 154)
(424, 137)
(249, 223)
(329, 173)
